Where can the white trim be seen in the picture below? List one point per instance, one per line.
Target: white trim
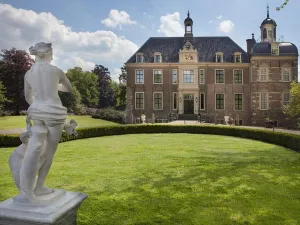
(176, 76)
(177, 101)
(282, 96)
(290, 73)
(200, 101)
(143, 100)
(135, 76)
(219, 54)
(155, 54)
(260, 93)
(136, 57)
(193, 70)
(239, 54)
(267, 73)
(199, 74)
(216, 76)
(216, 101)
(162, 100)
(275, 46)
(242, 76)
(238, 110)
(161, 76)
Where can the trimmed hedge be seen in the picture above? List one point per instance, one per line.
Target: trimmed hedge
(291, 141)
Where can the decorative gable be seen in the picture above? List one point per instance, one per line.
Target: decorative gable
(188, 53)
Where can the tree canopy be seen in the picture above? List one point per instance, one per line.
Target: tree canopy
(292, 110)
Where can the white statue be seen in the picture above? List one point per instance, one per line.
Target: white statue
(41, 85)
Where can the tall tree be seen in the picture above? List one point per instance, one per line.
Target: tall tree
(123, 75)
(86, 84)
(107, 97)
(15, 63)
(292, 110)
(72, 101)
(3, 99)
(122, 87)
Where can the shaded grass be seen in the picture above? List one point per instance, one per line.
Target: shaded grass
(12, 122)
(175, 179)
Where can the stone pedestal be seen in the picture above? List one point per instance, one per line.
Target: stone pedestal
(61, 209)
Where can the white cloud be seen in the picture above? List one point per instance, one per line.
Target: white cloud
(219, 17)
(170, 25)
(226, 26)
(23, 28)
(114, 74)
(117, 19)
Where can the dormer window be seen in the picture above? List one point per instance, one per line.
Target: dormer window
(139, 58)
(237, 57)
(219, 57)
(274, 49)
(157, 57)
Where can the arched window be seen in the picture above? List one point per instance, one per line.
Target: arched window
(265, 33)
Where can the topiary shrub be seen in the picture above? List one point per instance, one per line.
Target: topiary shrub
(110, 114)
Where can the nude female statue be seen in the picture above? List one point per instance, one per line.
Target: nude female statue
(41, 85)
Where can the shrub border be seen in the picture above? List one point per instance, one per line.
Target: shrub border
(291, 141)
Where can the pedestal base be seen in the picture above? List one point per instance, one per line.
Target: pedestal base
(61, 211)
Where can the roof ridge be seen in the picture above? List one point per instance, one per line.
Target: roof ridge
(192, 37)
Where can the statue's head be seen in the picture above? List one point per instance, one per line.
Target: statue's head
(42, 51)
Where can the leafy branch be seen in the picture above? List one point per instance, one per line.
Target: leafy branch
(282, 6)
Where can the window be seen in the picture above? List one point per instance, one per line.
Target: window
(219, 101)
(219, 57)
(286, 74)
(188, 76)
(139, 76)
(201, 77)
(175, 76)
(238, 101)
(139, 100)
(157, 76)
(237, 57)
(270, 34)
(220, 76)
(157, 100)
(263, 74)
(238, 76)
(202, 101)
(139, 58)
(175, 100)
(286, 98)
(157, 58)
(264, 101)
(274, 49)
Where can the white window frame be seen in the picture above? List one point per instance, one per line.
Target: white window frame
(157, 54)
(240, 56)
(201, 76)
(275, 46)
(234, 76)
(283, 75)
(268, 34)
(201, 102)
(242, 102)
(162, 100)
(283, 100)
(193, 72)
(173, 76)
(177, 102)
(260, 100)
(216, 101)
(139, 54)
(222, 57)
(143, 76)
(154, 76)
(216, 76)
(267, 73)
(135, 100)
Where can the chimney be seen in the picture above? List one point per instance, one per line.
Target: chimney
(250, 44)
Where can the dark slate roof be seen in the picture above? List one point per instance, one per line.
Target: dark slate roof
(264, 48)
(268, 21)
(206, 46)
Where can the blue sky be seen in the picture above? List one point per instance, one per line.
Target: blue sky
(93, 34)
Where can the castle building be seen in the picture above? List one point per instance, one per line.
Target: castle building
(213, 76)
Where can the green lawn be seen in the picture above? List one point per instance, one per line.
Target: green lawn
(12, 122)
(175, 179)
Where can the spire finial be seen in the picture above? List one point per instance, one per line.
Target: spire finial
(268, 16)
(188, 14)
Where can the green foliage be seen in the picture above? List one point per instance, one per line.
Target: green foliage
(110, 114)
(291, 141)
(72, 101)
(3, 99)
(292, 110)
(123, 75)
(86, 84)
(14, 65)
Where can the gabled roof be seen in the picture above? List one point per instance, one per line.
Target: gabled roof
(207, 47)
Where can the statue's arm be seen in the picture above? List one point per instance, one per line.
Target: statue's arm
(64, 83)
(28, 91)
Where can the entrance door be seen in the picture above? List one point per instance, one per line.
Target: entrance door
(188, 104)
